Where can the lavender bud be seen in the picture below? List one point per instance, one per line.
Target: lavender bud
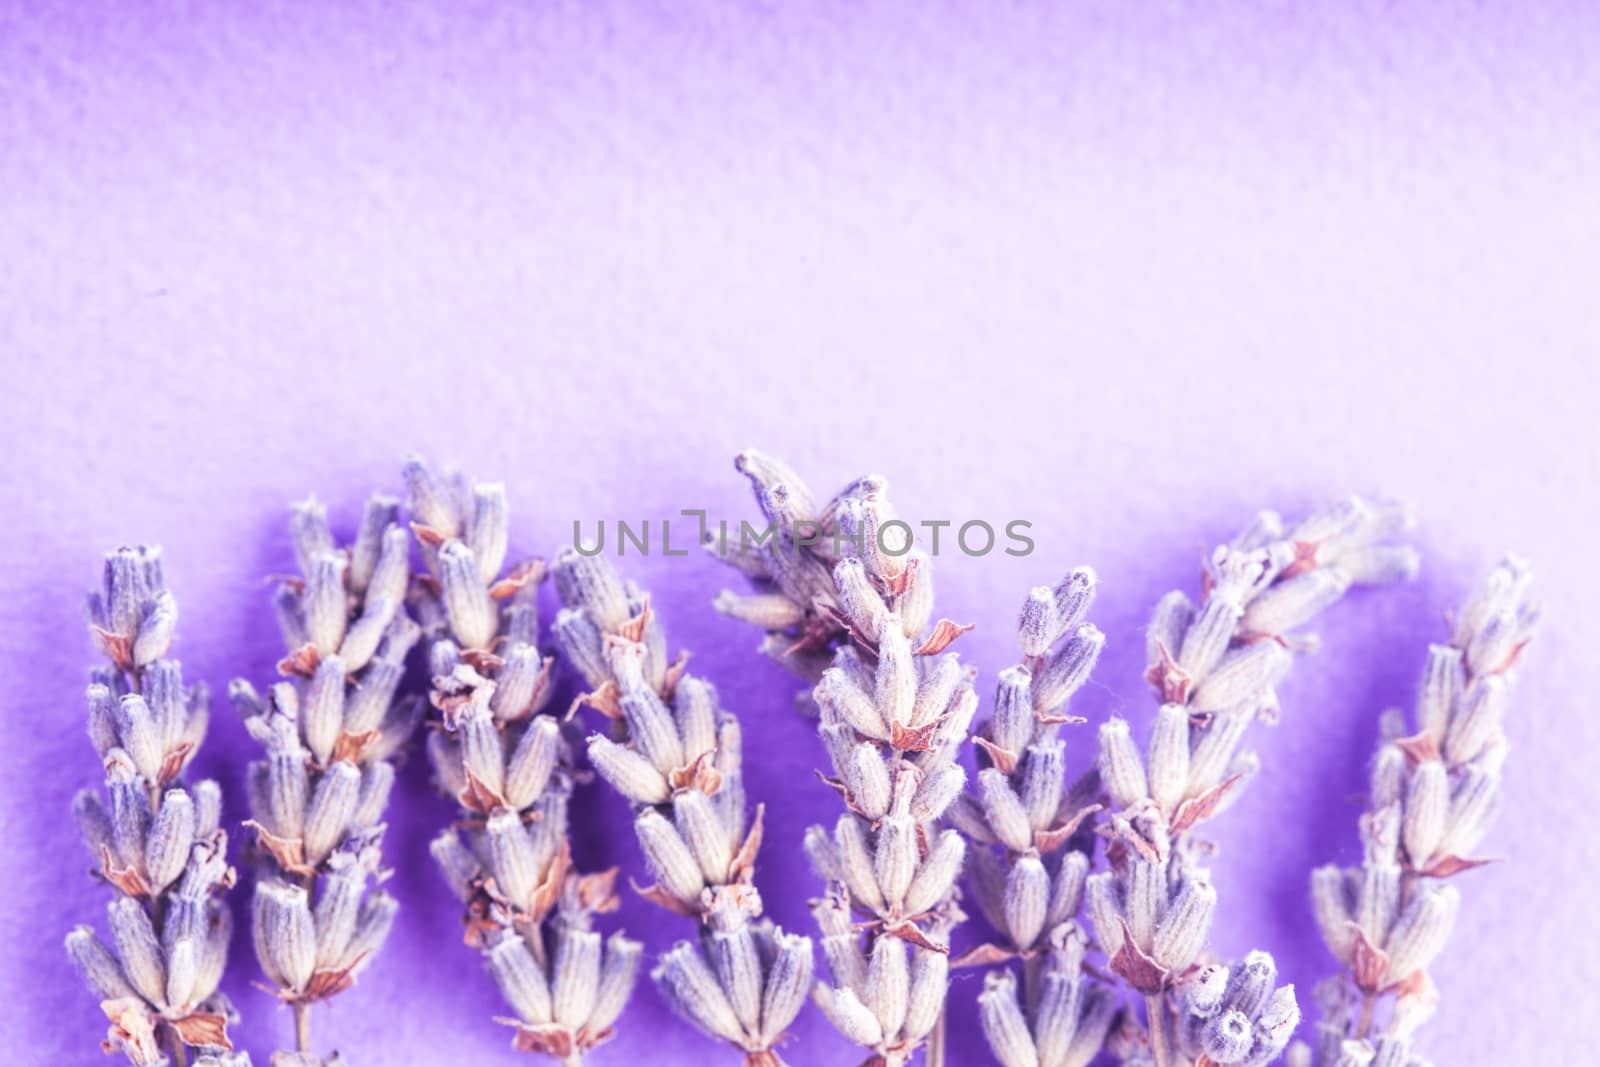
(1275, 1025)
(1241, 676)
(1421, 931)
(1073, 595)
(668, 857)
(1065, 671)
(473, 618)
(377, 781)
(323, 603)
(489, 529)
(895, 860)
(1012, 726)
(1026, 900)
(140, 738)
(1105, 911)
(694, 709)
(1208, 636)
(286, 940)
(1043, 775)
(130, 811)
(532, 762)
(868, 777)
(332, 807)
(372, 930)
(857, 598)
(1066, 892)
(849, 1016)
(855, 857)
(1169, 756)
(788, 982)
(1330, 903)
(897, 675)
(1472, 808)
(694, 992)
(520, 979)
(937, 791)
(1006, 815)
(456, 862)
(704, 833)
(737, 962)
(1388, 777)
(575, 977)
(1426, 808)
(322, 707)
(1168, 625)
(1121, 770)
(1443, 678)
(207, 796)
(1250, 983)
(1003, 1021)
(156, 630)
(628, 772)
(1039, 624)
(1183, 930)
(937, 873)
(888, 987)
(103, 718)
(1228, 1037)
(652, 730)
(482, 750)
(938, 687)
(1292, 602)
(98, 967)
(591, 583)
(393, 571)
(337, 909)
(1478, 724)
(166, 849)
(93, 822)
(616, 982)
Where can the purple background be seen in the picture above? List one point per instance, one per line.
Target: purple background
(1128, 275)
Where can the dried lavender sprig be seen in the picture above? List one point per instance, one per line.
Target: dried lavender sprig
(1031, 862)
(318, 796)
(1215, 669)
(894, 710)
(158, 842)
(1434, 795)
(675, 755)
(508, 767)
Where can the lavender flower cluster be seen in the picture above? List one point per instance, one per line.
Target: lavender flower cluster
(1093, 883)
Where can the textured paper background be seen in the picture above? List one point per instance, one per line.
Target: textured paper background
(1128, 274)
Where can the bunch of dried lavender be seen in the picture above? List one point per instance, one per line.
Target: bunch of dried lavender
(895, 708)
(1028, 878)
(675, 755)
(159, 845)
(509, 768)
(318, 797)
(1215, 669)
(1434, 795)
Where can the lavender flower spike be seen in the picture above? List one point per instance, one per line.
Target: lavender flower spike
(1215, 668)
(674, 753)
(894, 710)
(1033, 852)
(318, 795)
(1434, 793)
(158, 842)
(508, 766)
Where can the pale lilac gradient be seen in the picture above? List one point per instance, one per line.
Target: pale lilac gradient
(1127, 275)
